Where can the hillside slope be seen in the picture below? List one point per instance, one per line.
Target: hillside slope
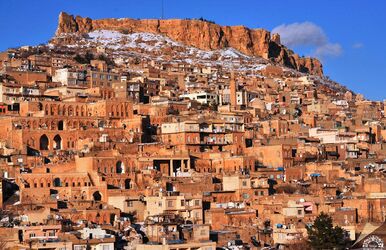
(200, 34)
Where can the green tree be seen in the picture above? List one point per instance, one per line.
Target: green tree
(323, 235)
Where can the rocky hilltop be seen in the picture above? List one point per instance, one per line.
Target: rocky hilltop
(201, 34)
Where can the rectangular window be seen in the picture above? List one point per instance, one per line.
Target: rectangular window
(170, 203)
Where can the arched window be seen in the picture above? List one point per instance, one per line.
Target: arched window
(70, 111)
(57, 182)
(97, 196)
(57, 142)
(127, 184)
(60, 125)
(119, 167)
(44, 142)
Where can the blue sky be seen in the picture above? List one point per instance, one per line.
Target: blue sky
(348, 35)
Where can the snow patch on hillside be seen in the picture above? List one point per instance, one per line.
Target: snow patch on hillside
(148, 41)
(116, 40)
(161, 48)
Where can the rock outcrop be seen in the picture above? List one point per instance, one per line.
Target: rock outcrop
(201, 34)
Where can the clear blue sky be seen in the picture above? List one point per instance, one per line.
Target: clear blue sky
(353, 49)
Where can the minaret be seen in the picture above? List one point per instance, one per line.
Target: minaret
(233, 90)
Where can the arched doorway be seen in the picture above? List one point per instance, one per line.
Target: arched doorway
(119, 167)
(57, 182)
(97, 196)
(44, 142)
(57, 142)
(127, 184)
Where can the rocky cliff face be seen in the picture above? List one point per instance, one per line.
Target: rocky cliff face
(201, 34)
